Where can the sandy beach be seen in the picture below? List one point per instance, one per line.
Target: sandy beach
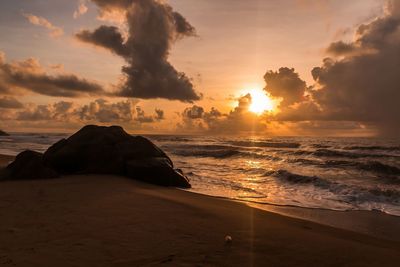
(113, 221)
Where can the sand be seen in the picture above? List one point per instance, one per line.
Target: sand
(113, 221)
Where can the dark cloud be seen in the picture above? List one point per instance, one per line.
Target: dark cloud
(365, 87)
(61, 110)
(359, 88)
(153, 27)
(194, 112)
(305, 111)
(285, 84)
(108, 37)
(143, 118)
(30, 75)
(10, 103)
(159, 114)
(341, 48)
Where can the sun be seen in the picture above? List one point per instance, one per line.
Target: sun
(260, 101)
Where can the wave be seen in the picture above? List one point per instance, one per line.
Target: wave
(219, 154)
(265, 144)
(294, 178)
(383, 148)
(376, 166)
(170, 138)
(211, 147)
(371, 166)
(320, 146)
(338, 154)
(305, 161)
(351, 193)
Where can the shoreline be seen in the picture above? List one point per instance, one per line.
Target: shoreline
(369, 222)
(373, 223)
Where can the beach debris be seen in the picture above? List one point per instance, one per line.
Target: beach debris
(228, 240)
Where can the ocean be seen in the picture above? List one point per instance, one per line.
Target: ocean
(327, 173)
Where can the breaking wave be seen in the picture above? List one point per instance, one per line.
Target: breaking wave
(353, 193)
(265, 144)
(339, 154)
(383, 148)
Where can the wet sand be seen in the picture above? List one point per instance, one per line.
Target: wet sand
(113, 221)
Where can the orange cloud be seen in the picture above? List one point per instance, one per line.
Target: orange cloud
(54, 31)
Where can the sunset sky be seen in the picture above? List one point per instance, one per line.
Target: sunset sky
(290, 67)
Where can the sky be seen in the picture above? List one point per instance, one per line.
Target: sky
(290, 67)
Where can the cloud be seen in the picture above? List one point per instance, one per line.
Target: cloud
(341, 48)
(194, 112)
(59, 111)
(365, 87)
(81, 10)
(54, 31)
(99, 111)
(41, 112)
(153, 27)
(357, 87)
(285, 84)
(10, 103)
(143, 118)
(159, 114)
(30, 75)
(239, 120)
(102, 111)
(107, 37)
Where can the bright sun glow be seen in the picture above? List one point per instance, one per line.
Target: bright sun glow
(260, 102)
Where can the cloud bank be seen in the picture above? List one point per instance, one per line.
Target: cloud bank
(30, 76)
(10, 103)
(363, 83)
(97, 111)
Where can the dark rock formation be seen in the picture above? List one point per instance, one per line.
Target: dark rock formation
(28, 165)
(108, 150)
(150, 169)
(2, 133)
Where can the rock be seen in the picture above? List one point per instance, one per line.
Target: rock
(228, 240)
(156, 170)
(2, 133)
(110, 150)
(99, 150)
(28, 165)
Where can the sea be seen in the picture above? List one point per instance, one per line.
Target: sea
(334, 173)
